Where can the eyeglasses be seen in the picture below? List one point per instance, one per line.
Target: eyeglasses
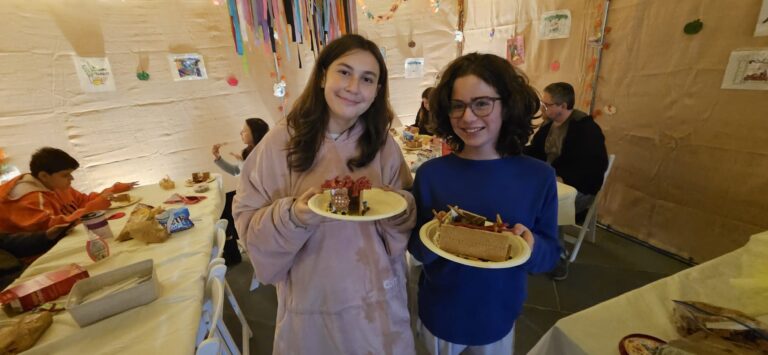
(546, 105)
(480, 106)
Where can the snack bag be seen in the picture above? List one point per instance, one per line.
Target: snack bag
(178, 220)
(143, 226)
(731, 325)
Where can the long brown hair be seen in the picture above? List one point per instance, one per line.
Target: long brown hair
(308, 119)
(520, 102)
(258, 129)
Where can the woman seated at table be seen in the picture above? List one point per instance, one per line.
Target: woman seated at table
(422, 117)
(45, 198)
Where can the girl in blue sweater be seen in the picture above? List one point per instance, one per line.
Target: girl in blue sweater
(483, 108)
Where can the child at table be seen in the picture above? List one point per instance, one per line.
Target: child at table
(340, 284)
(483, 107)
(45, 198)
(251, 134)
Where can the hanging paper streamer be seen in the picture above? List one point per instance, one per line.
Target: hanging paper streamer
(235, 21)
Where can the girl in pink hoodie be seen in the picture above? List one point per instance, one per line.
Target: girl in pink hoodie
(340, 284)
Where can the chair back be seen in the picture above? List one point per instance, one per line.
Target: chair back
(220, 237)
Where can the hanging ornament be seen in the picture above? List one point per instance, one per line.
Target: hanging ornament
(279, 89)
(693, 27)
(435, 5)
(555, 66)
(142, 75)
(493, 32)
(609, 109)
(411, 44)
(383, 17)
(458, 36)
(232, 81)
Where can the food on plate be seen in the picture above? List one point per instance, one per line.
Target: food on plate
(466, 234)
(639, 344)
(347, 195)
(167, 184)
(23, 333)
(121, 198)
(200, 177)
(413, 144)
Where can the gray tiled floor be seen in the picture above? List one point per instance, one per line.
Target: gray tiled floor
(602, 270)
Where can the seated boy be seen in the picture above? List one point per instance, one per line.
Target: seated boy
(45, 198)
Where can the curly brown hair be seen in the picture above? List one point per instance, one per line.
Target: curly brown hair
(520, 101)
(309, 117)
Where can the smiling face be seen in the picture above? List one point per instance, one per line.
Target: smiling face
(350, 85)
(479, 134)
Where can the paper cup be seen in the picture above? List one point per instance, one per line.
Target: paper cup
(97, 223)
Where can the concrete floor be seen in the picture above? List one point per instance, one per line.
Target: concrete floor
(606, 269)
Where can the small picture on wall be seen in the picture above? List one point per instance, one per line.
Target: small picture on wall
(414, 68)
(555, 24)
(762, 21)
(516, 50)
(187, 67)
(747, 70)
(94, 73)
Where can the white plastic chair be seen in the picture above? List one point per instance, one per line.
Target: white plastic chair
(209, 334)
(245, 328)
(220, 238)
(590, 221)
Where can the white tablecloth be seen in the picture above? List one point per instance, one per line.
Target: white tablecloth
(737, 280)
(166, 326)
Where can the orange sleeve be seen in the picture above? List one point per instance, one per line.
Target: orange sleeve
(36, 212)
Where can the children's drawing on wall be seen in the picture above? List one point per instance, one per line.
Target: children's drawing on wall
(95, 74)
(762, 21)
(747, 70)
(187, 67)
(555, 24)
(516, 50)
(414, 68)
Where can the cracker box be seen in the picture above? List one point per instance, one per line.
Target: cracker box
(41, 289)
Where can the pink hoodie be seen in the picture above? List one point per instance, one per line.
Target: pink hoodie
(340, 285)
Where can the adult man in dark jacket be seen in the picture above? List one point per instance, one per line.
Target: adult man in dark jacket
(573, 144)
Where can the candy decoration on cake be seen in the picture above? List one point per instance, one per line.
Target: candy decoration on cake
(347, 195)
(466, 234)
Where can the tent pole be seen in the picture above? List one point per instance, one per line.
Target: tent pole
(606, 6)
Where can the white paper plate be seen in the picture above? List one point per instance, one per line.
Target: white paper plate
(382, 204)
(429, 231)
(121, 204)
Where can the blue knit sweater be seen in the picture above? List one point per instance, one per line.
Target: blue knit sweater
(474, 306)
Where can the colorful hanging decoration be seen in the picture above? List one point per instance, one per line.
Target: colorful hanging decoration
(555, 66)
(435, 5)
(383, 17)
(693, 27)
(232, 80)
(142, 75)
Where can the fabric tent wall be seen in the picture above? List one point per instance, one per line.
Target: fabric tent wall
(145, 129)
(433, 35)
(691, 157)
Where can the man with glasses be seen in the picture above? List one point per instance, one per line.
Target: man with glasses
(574, 145)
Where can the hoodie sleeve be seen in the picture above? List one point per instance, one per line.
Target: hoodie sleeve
(261, 210)
(546, 248)
(37, 212)
(395, 173)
